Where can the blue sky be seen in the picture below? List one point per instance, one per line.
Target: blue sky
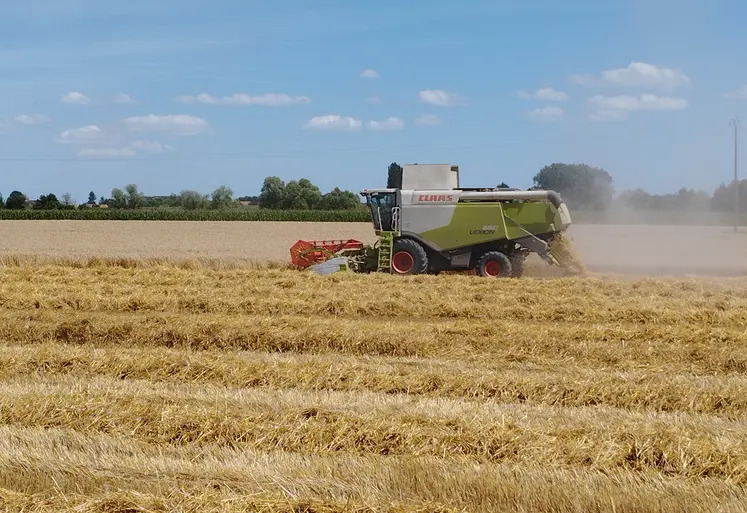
(187, 94)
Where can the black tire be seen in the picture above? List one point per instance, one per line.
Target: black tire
(494, 264)
(408, 257)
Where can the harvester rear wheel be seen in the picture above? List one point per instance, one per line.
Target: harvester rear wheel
(408, 257)
(494, 264)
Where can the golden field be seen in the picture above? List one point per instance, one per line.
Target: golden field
(143, 386)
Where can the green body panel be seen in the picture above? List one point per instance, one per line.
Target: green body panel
(535, 217)
(477, 223)
(469, 217)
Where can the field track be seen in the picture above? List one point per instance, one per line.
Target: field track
(155, 387)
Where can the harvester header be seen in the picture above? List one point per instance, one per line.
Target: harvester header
(432, 224)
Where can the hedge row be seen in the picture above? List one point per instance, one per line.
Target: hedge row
(338, 216)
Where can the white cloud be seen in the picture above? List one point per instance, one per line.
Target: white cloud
(175, 124)
(647, 75)
(151, 146)
(106, 152)
(616, 108)
(369, 73)
(642, 102)
(334, 122)
(637, 74)
(439, 97)
(31, 119)
(608, 115)
(86, 134)
(428, 119)
(547, 114)
(131, 150)
(374, 100)
(738, 94)
(267, 100)
(391, 123)
(125, 99)
(545, 93)
(98, 141)
(75, 97)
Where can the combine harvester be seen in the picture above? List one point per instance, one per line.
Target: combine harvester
(432, 224)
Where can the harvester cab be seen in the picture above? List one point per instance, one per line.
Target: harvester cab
(432, 224)
(384, 207)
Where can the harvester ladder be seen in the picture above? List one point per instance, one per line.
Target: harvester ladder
(386, 242)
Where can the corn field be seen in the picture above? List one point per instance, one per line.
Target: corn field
(96, 214)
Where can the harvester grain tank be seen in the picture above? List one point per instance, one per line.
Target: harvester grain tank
(432, 224)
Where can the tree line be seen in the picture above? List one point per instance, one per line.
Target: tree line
(582, 187)
(275, 195)
(585, 187)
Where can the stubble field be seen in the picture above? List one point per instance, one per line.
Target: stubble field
(130, 386)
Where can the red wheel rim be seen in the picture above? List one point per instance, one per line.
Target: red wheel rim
(402, 262)
(493, 268)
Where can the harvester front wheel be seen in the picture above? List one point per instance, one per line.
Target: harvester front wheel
(408, 257)
(494, 264)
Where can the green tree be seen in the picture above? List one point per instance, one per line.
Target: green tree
(193, 200)
(337, 199)
(272, 193)
(222, 197)
(580, 185)
(16, 200)
(92, 197)
(310, 194)
(394, 176)
(172, 200)
(118, 200)
(636, 199)
(723, 197)
(47, 202)
(293, 197)
(301, 195)
(503, 185)
(135, 199)
(683, 199)
(690, 199)
(129, 198)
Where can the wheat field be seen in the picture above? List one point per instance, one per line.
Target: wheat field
(149, 384)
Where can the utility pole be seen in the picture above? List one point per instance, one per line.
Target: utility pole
(736, 123)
